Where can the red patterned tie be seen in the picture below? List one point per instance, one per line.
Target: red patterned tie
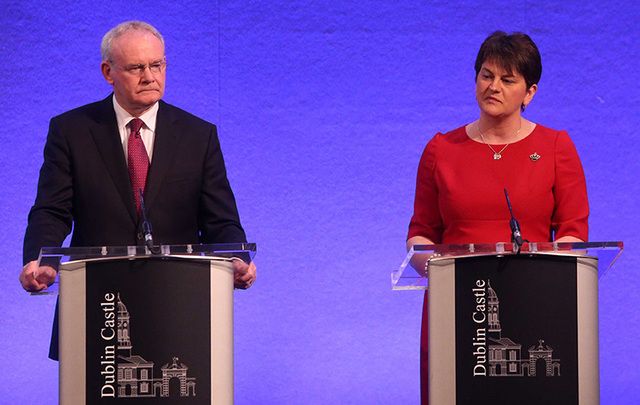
(138, 160)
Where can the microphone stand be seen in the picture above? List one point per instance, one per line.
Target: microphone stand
(516, 234)
(146, 227)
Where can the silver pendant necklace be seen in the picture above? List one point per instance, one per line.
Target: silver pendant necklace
(496, 155)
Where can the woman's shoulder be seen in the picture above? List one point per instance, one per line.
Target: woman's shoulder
(452, 137)
(548, 132)
(459, 133)
(558, 138)
(442, 144)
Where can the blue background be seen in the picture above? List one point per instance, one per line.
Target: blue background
(323, 111)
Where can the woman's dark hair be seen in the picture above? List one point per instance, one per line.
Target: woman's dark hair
(512, 52)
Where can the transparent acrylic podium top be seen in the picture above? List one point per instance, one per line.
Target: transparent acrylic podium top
(55, 256)
(408, 278)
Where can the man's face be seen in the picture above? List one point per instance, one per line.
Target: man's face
(136, 70)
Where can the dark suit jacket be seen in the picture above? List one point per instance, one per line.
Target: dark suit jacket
(84, 183)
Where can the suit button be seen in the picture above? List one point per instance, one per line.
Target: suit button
(140, 236)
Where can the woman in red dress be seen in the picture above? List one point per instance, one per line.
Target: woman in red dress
(462, 174)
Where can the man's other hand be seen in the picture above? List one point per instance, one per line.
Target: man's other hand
(243, 274)
(36, 278)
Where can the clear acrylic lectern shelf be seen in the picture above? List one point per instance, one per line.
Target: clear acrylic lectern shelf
(412, 274)
(56, 256)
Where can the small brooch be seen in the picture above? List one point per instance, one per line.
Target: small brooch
(534, 156)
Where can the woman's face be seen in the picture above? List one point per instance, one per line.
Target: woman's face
(501, 93)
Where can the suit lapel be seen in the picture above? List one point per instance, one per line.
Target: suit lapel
(164, 152)
(107, 138)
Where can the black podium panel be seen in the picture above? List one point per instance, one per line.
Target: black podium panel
(516, 330)
(148, 332)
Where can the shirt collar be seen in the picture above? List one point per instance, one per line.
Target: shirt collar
(148, 117)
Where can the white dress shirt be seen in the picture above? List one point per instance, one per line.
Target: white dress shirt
(147, 132)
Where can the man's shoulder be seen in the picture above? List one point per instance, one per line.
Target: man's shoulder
(174, 113)
(93, 111)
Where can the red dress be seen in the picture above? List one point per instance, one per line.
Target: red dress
(460, 198)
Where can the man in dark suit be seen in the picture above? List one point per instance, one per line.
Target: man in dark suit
(100, 157)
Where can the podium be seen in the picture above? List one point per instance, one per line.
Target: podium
(509, 326)
(138, 327)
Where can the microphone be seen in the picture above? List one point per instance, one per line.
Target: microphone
(516, 235)
(146, 226)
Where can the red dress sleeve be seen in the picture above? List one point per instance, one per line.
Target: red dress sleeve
(571, 210)
(427, 220)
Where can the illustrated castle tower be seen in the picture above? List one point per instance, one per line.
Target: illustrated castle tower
(504, 353)
(124, 340)
(493, 313)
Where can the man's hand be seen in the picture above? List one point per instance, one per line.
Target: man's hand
(243, 274)
(34, 278)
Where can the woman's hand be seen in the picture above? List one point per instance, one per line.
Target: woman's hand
(419, 261)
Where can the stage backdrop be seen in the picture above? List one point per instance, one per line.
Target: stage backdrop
(324, 108)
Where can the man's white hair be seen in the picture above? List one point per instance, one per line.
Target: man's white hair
(118, 30)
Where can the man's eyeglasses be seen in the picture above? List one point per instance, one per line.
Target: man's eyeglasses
(138, 70)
